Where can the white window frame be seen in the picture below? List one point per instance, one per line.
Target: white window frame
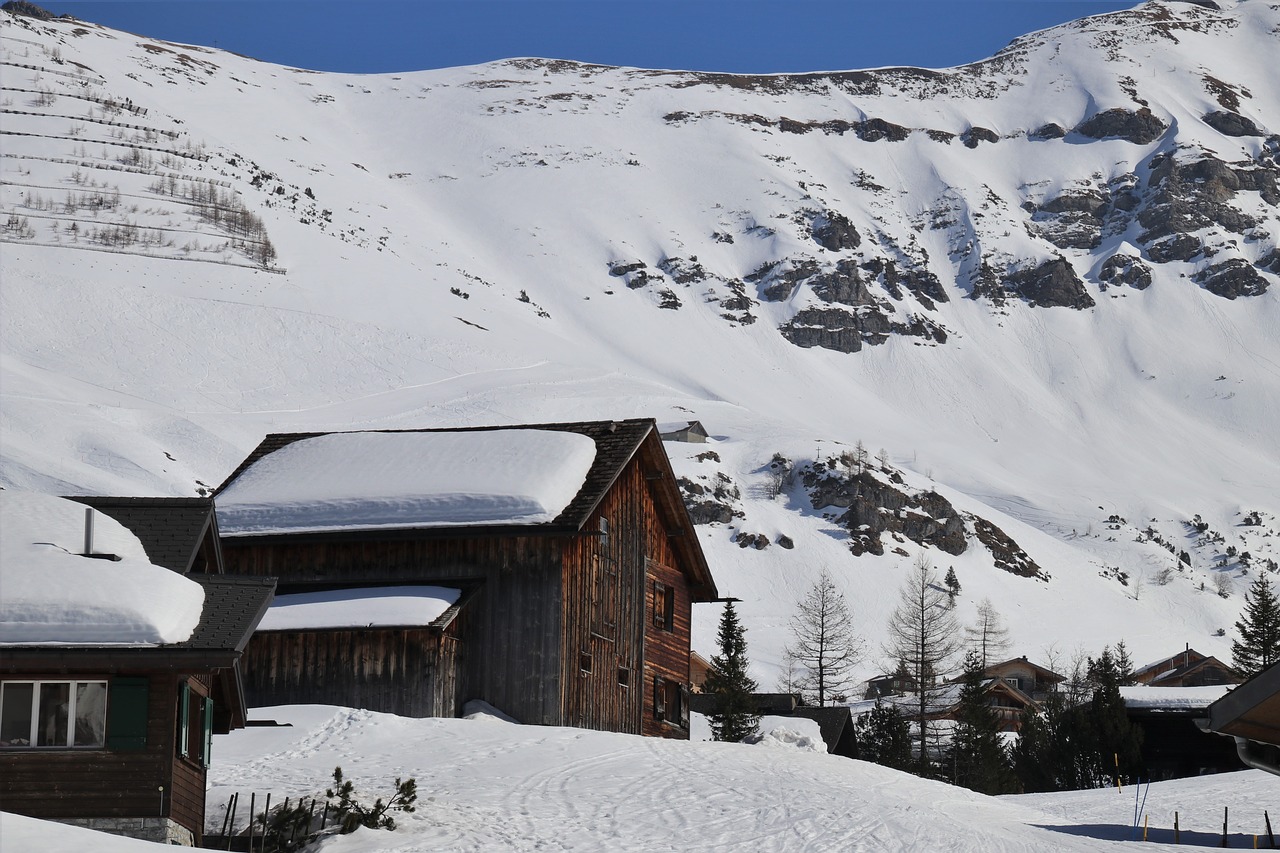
(33, 733)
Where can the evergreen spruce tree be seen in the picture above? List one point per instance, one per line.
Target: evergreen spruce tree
(1116, 743)
(1124, 665)
(735, 715)
(976, 758)
(884, 737)
(952, 583)
(1259, 645)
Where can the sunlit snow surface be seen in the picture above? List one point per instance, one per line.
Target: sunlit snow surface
(51, 595)
(358, 608)
(368, 480)
(486, 785)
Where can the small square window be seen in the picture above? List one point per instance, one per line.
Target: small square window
(584, 662)
(624, 677)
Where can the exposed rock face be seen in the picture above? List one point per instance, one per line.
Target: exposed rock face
(840, 330)
(974, 135)
(714, 503)
(921, 282)
(1189, 196)
(834, 232)
(1053, 283)
(1072, 220)
(1120, 270)
(1232, 278)
(1008, 554)
(1232, 124)
(1138, 127)
(877, 129)
(31, 10)
(875, 507)
(1048, 131)
(1270, 262)
(1183, 247)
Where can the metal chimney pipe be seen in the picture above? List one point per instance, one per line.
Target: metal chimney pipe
(88, 530)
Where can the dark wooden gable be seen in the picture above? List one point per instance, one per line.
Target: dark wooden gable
(178, 533)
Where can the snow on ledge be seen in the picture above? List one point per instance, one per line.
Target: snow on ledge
(368, 607)
(1173, 698)
(372, 480)
(50, 595)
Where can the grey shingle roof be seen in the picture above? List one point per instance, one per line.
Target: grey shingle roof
(171, 529)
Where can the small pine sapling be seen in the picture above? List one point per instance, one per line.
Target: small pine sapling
(351, 813)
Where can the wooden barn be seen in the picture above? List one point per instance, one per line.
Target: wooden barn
(116, 736)
(573, 559)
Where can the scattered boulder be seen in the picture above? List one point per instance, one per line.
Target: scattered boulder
(1139, 127)
(1270, 261)
(1007, 553)
(751, 540)
(1232, 124)
(1232, 278)
(786, 542)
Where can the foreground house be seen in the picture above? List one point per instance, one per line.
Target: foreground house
(1173, 745)
(114, 671)
(549, 570)
(1250, 714)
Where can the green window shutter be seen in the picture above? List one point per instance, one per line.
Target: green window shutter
(127, 713)
(184, 718)
(208, 732)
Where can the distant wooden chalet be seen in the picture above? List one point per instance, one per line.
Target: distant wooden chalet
(116, 737)
(688, 431)
(581, 618)
(1188, 668)
(1027, 677)
(699, 668)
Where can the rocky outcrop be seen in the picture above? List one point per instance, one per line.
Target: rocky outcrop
(1072, 220)
(974, 135)
(1051, 284)
(1139, 127)
(1125, 270)
(1232, 124)
(715, 502)
(924, 284)
(1047, 131)
(843, 331)
(1231, 279)
(1189, 196)
(1007, 553)
(834, 232)
(874, 507)
(1183, 247)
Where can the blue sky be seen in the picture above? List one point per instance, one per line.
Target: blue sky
(746, 36)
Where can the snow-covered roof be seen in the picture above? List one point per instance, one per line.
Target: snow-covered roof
(373, 480)
(55, 596)
(1173, 698)
(367, 607)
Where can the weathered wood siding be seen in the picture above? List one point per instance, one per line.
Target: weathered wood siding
(666, 653)
(65, 783)
(514, 630)
(605, 610)
(411, 672)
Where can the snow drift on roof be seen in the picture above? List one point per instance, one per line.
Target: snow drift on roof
(1142, 696)
(53, 596)
(370, 607)
(370, 480)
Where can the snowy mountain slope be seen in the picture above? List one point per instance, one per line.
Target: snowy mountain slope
(201, 248)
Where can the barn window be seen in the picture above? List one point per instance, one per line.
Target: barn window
(664, 606)
(53, 713)
(584, 663)
(670, 702)
(624, 677)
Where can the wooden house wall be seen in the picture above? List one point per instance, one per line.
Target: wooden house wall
(604, 611)
(87, 783)
(666, 653)
(514, 634)
(411, 672)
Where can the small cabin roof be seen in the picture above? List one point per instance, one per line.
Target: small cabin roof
(171, 530)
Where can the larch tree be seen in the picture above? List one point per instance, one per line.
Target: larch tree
(988, 635)
(825, 645)
(1259, 645)
(923, 635)
(735, 716)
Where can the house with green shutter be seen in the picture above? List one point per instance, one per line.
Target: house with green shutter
(116, 667)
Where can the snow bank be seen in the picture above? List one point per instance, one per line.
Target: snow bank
(54, 596)
(373, 607)
(19, 832)
(789, 733)
(368, 480)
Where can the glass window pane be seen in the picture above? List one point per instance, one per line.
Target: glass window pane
(91, 713)
(15, 714)
(52, 722)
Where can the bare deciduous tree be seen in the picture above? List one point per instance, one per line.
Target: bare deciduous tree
(923, 635)
(988, 636)
(825, 647)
